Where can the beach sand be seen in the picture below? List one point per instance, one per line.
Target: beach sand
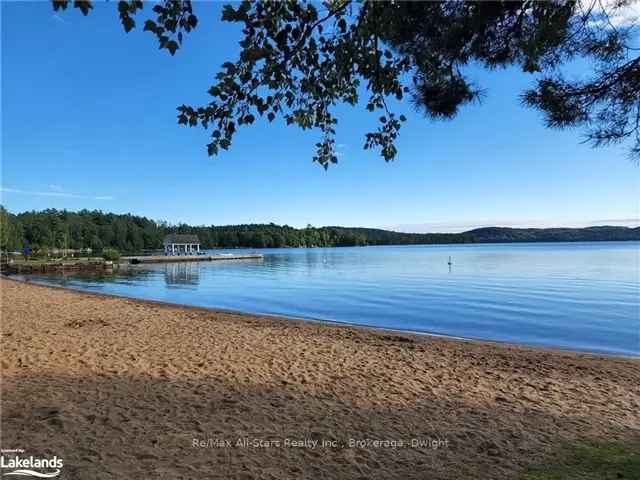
(121, 389)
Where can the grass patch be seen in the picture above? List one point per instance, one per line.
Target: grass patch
(597, 461)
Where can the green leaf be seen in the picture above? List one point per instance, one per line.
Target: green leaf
(128, 23)
(60, 5)
(228, 13)
(172, 46)
(83, 5)
(149, 26)
(229, 67)
(212, 149)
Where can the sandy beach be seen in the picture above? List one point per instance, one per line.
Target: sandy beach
(130, 389)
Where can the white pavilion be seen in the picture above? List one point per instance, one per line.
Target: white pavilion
(180, 244)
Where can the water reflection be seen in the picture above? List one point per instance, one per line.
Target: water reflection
(182, 274)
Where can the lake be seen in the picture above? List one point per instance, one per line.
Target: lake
(578, 296)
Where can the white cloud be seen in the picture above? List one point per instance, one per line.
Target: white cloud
(613, 15)
(54, 194)
(626, 16)
(340, 149)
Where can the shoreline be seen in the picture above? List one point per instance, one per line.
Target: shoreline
(336, 323)
(120, 388)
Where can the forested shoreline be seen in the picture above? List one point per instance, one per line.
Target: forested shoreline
(94, 229)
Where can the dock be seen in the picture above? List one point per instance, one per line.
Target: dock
(191, 258)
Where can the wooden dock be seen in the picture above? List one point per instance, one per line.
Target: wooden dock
(191, 258)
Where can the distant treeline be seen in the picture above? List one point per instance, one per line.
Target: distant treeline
(587, 234)
(129, 233)
(94, 229)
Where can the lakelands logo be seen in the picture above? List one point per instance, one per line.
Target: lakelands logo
(29, 466)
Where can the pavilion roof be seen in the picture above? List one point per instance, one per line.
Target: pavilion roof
(181, 238)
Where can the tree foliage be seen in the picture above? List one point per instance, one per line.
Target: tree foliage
(300, 59)
(62, 229)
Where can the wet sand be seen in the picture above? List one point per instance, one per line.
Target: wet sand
(120, 388)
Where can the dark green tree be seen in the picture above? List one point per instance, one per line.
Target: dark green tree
(96, 244)
(11, 232)
(53, 229)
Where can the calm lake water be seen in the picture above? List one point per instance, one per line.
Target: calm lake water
(581, 296)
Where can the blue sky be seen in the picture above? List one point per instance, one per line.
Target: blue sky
(88, 121)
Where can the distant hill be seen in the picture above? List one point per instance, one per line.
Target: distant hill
(588, 234)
